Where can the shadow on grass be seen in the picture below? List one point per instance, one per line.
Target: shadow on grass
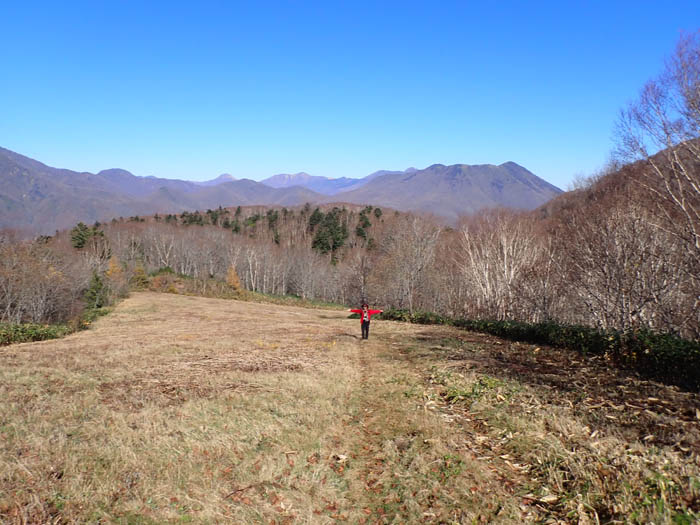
(602, 395)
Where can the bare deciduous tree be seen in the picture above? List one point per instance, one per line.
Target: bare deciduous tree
(497, 246)
(409, 251)
(662, 129)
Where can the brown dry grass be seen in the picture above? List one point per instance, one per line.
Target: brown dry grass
(178, 409)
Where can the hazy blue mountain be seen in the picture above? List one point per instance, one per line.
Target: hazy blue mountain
(224, 177)
(36, 198)
(286, 180)
(452, 191)
(40, 199)
(324, 185)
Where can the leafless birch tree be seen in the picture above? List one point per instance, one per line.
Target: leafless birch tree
(497, 247)
(662, 129)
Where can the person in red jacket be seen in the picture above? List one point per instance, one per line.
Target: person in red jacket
(365, 315)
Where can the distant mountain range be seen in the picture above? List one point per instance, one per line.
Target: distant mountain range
(40, 199)
(323, 185)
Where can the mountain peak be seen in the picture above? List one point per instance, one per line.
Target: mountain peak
(224, 177)
(454, 190)
(115, 172)
(510, 165)
(285, 180)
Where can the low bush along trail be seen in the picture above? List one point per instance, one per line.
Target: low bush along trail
(184, 409)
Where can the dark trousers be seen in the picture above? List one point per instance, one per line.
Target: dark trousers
(365, 329)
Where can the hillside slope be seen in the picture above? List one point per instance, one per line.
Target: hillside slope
(178, 408)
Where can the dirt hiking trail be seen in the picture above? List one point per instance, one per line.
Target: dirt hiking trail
(177, 409)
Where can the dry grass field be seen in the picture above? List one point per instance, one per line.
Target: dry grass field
(176, 409)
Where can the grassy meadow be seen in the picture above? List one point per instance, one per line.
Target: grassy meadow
(179, 409)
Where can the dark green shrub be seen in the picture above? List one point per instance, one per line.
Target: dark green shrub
(91, 315)
(27, 332)
(396, 314)
(252, 220)
(165, 270)
(23, 333)
(662, 357)
(429, 318)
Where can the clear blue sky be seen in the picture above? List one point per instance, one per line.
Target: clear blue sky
(195, 89)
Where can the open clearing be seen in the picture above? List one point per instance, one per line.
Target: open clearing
(176, 409)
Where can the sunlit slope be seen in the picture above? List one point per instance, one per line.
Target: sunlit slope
(184, 409)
